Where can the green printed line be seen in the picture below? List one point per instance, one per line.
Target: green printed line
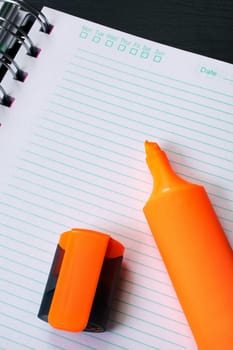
(32, 214)
(24, 243)
(70, 186)
(42, 229)
(77, 170)
(142, 123)
(218, 166)
(153, 257)
(77, 139)
(142, 114)
(202, 170)
(89, 134)
(17, 307)
(63, 337)
(146, 277)
(21, 275)
(32, 313)
(149, 266)
(219, 186)
(151, 323)
(20, 263)
(45, 331)
(149, 334)
(99, 228)
(157, 74)
(153, 98)
(137, 306)
(21, 297)
(97, 165)
(94, 117)
(227, 79)
(24, 254)
(222, 198)
(109, 342)
(20, 286)
(15, 342)
(153, 108)
(148, 288)
(205, 172)
(75, 198)
(86, 223)
(134, 340)
(156, 82)
(76, 101)
(135, 130)
(65, 215)
(153, 301)
(124, 118)
(92, 125)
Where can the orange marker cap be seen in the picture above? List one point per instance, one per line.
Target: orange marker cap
(78, 272)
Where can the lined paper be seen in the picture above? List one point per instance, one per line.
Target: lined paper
(72, 155)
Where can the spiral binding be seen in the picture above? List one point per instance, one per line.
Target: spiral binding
(46, 27)
(12, 66)
(18, 33)
(6, 99)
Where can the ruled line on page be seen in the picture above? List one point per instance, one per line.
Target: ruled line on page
(121, 300)
(96, 164)
(149, 134)
(109, 189)
(135, 112)
(59, 214)
(70, 196)
(114, 321)
(179, 98)
(145, 114)
(74, 147)
(61, 204)
(229, 220)
(58, 335)
(11, 341)
(24, 310)
(57, 133)
(64, 184)
(152, 72)
(41, 340)
(145, 97)
(213, 164)
(120, 173)
(25, 267)
(42, 229)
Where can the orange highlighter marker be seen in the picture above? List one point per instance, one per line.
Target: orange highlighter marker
(195, 250)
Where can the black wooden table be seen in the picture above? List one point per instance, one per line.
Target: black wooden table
(200, 26)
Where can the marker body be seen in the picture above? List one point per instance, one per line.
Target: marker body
(195, 251)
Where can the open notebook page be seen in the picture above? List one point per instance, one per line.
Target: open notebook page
(72, 155)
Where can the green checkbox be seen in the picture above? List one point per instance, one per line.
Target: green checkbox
(96, 39)
(133, 51)
(108, 43)
(83, 35)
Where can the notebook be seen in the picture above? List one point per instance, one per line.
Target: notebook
(72, 155)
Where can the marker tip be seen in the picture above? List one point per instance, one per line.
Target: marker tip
(151, 147)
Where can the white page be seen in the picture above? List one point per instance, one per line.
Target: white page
(72, 155)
